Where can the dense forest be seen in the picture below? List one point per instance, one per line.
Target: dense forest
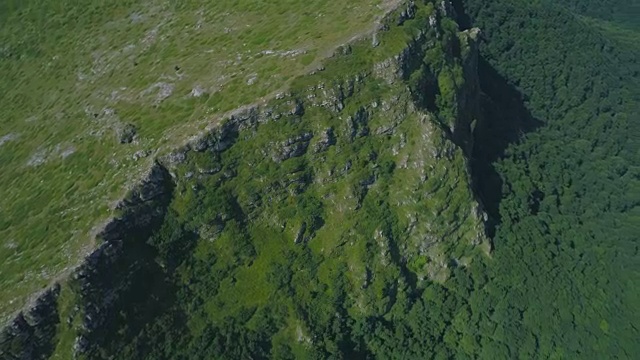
(553, 161)
(562, 280)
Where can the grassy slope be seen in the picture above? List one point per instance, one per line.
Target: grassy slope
(73, 75)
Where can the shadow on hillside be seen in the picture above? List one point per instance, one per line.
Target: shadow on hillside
(505, 120)
(463, 20)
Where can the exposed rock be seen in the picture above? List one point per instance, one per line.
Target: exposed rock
(38, 158)
(433, 21)
(211, 231)
(375, 42)
(126, 133)
(32, 333)
(139, 209)
(408, 13)
(387, 70)
(344, 50)
(210, 171)
(198, 91)
(468, 100)
(68, 151)
(331, 98)
(220, 139)
(109, 273)
(300, 234)
(251, 79)
(140, 154)
(176, 157)
(357, 125)
(162, 91)
(292, 147)
(368, 181)
(6, 138)
(447, 9)
(298, 109)
(327, 139)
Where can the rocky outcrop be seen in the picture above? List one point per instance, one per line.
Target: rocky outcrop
(292, 147)
(327, 139)
(126, 133)
(358, 124)
(408, 13)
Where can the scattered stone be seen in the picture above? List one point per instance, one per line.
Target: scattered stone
(252, 79)
(210, 171)
(177, 157)
(38, 158)
(163, 90)
(140, 154)
(6, 138)
(197, 91)
(67, 152)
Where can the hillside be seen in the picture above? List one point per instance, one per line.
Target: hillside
(347, 181)
(456, 180)
(92, 92)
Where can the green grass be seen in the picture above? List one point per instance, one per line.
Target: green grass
(73, 73)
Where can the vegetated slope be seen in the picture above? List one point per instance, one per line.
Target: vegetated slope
(91, 90)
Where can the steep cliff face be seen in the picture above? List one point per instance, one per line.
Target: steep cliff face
(123, 266)
(355, 182)
(31, 334)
